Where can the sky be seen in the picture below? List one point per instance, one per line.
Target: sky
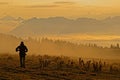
(65, 8)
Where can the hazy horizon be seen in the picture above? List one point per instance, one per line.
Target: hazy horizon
(9, 23)
(76, 21)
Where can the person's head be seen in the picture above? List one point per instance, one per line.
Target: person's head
(22, 43)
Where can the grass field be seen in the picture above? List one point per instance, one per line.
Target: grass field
(58, 68)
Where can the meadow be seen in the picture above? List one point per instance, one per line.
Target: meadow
(45, 67)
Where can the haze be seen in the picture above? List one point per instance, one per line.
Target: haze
(61, 21)
(66, 8)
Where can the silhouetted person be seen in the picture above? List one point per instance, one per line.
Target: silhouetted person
(22, 52)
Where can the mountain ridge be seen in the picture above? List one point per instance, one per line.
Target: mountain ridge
(61, 25)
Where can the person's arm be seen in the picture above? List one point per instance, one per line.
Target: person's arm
(17, 49)
(26, 50)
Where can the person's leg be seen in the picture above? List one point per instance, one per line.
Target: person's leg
(24, 61)
(20, 60)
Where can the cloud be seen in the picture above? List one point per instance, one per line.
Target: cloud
(53, 5)
(64, 2)
(43, 6)
(3, 3)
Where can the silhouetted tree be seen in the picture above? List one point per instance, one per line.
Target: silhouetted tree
(117, 45)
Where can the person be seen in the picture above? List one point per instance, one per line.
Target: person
(22, 53)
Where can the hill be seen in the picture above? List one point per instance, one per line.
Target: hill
(43, 46)
(61, 25)
(58, 68)
(8, 23)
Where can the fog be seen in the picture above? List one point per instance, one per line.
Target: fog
(44, 45)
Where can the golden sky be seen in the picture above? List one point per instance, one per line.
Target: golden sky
(65, 8)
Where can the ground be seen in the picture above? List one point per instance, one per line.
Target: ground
(10, 70)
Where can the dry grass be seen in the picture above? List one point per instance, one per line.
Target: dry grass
(57, 68)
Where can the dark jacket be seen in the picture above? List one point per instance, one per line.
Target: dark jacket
(22, 49)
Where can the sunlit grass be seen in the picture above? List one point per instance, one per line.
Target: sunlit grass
(45, 67)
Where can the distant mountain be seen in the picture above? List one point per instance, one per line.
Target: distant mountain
(61, 25)
(10, 18)
(8, 23)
